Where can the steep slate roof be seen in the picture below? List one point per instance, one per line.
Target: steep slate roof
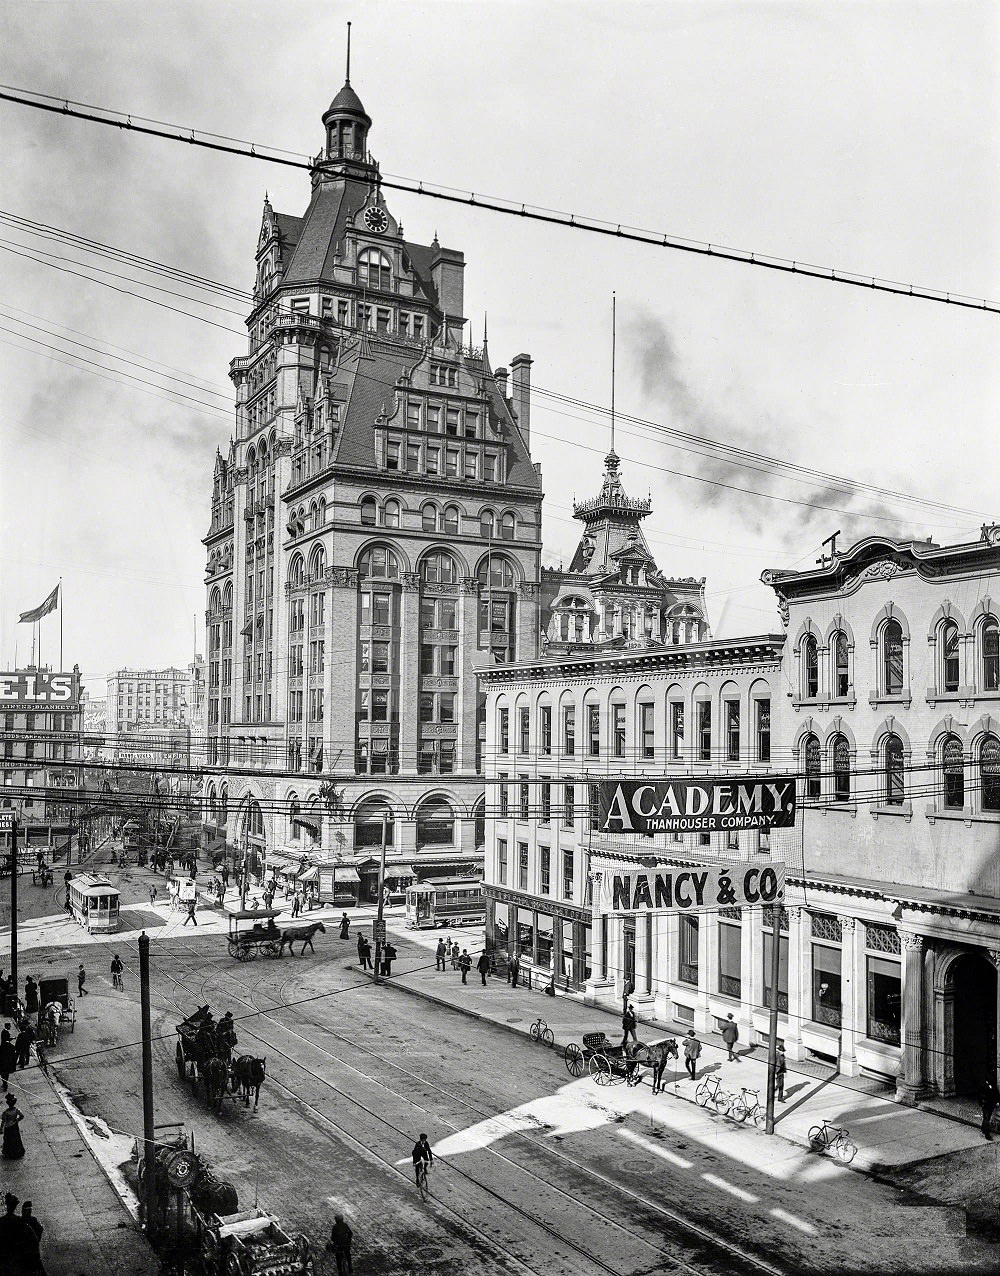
(322, 231)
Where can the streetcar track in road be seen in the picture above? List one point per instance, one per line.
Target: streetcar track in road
(701, 1233)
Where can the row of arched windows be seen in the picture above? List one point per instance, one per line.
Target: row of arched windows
(219, 599)
(437, 566)
(298, 574)
(307, 519)
(436, 821)
(492, 525)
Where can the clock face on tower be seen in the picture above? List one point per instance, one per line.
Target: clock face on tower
(376, 220)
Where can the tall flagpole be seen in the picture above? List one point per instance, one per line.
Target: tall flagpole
(60, 624)
(614, 333)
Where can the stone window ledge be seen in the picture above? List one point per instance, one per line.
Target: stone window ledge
(904, 699)
(967, 816)
(839, 808)
(903, 811)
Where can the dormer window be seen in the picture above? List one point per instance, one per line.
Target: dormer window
(374, 270)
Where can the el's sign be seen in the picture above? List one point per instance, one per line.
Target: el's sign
(36, 686)
(696, 806)
(689, 890)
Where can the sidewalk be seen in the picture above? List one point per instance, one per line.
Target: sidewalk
(87, 1228)
(889, 1135)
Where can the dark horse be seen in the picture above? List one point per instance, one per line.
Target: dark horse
(248, 1074)
(305, 933)
(215, 1075)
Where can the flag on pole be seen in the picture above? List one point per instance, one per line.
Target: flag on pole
(37, 613)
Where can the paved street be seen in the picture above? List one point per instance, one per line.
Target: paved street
(535, 1171)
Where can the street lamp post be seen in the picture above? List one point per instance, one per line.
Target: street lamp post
(379, 918)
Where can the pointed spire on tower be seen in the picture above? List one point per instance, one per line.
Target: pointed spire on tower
(347, 77)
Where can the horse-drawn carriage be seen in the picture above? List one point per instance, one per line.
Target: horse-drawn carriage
(253, 934)
(52, 1022)
(609, 1063)
(250, 1244)
(204, 1054)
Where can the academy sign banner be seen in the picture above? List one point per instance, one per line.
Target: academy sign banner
(697, 806)
(697, 888)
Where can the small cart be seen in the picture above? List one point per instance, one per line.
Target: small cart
(251, 1244)
(607, 1063)
(254, 934)
(57, 990)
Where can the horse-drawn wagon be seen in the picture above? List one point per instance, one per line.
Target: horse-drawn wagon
(251, 1244)
(253, 934)
(609, 1063)
(197, 1056)
(57, 1009)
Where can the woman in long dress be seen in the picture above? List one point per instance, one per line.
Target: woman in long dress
(10, 1120)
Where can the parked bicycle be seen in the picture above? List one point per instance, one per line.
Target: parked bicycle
(747, 1104)
(833, 1138)
(540, 1031)
(710, 1094)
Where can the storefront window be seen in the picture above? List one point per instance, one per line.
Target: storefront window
(566, 951)
(730, 943)
(545, 940)
(826, 985)
(884, 1000)
(588, 951)
(782, 970)
(688, 964)
(525, 933)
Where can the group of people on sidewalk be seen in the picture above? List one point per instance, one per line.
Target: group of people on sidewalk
(20, 1239)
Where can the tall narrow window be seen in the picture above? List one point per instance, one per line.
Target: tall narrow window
(618, 730)
(763, 730)
(569, 730)
(841, 750)
(894, 783)
(732, 731)
(841, 670)
(705, 730)
(892, 658)
(953, 766)
(594, 730)
(687, 967)
(646, 749)
(812, 766)
(949, 656)
(524, 730)
(989, 772)
(503, 731)
(545, 729)
(676, 730)
(990, 638)
(810, 660)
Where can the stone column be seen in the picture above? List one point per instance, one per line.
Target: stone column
(798, 981)
(911, 1086)
(703, 1021)
(641, 948)
(852, 996)
(661, 965)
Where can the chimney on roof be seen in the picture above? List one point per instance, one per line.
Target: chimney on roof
(520, 371)
(447, 272)
(500, 377)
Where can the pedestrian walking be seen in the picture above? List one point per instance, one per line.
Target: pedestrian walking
(988, 1101)
(152, 895)
(81, 982)
(116, 972)
(388, 957)
(628, 1025)
(17, 1241)
(780, 1065)
(483, 965)
(627, 992)
(30, 996)
(361, 948)
(692, 1051)
(8, 1055)
(464, 964)
(515, 969)
(22, 1046)
(13, 1148)
(439, 956)
(296, 904)
(345, 926)
(192, 905)
(730, 1035)
(225, 877)
(365, 949)
(339, 1245)
(28, 1217)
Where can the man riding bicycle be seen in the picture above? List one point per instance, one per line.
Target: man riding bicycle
(422, 1157)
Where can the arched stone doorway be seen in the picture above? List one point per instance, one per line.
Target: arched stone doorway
(974, 1041)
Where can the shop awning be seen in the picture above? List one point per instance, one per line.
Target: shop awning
(400, 870)
(307, 822)
(343, 872)
(310, 875)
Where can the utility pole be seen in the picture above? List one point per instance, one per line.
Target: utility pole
(8, 824)
(148, 1127)
(772, 1027)
(379, 927)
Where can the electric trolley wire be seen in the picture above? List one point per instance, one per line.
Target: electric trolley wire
(512, 208)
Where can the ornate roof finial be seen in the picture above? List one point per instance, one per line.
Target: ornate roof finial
(614, 331)
(347, 78)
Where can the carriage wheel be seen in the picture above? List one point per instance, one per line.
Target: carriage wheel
(247, 952)
(573, 1058)
(181, 1065)
(183, 1168)
(600, 1070)
(234, 948)
(272, 948)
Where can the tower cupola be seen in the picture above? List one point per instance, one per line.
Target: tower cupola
(347, 123)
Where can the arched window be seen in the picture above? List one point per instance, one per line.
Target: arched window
(296, 570)
(428, 518)
(374, 270)
(449, 520)
(435, 823)
(369, 510)
(439, 568)
(949, 656)
(368, 823)
(223, 804)
(953, 768)
(379, 561)
(497, 572)
(487, 525)
(989, 772)
(841, 753)
(294, 810)
(390, 513)
(507, 527)
(841, 668)
(317, 562)
(479, 820)
(892, 658)
(255, 819)
(990, 639)
(895, 786)
(810, 667)
(812, 766)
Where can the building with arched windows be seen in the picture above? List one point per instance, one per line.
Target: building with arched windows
(375, 541)
(892, 722)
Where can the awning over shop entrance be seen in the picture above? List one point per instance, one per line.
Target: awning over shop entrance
(310, 875)
(398, 871)
(344, 873)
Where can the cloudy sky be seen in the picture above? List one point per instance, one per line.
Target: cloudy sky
(856, 136)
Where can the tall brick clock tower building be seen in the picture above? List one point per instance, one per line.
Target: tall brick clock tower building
(375, 539)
